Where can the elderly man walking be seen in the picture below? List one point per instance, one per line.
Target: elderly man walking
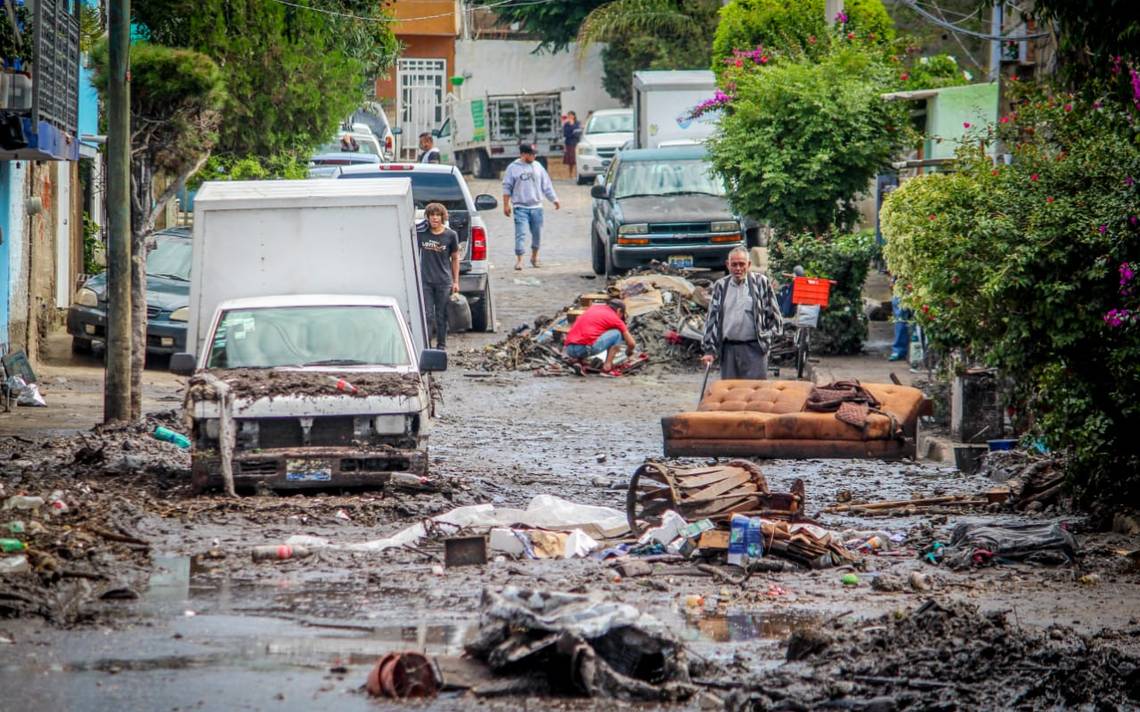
(744, 315)
(525, 183)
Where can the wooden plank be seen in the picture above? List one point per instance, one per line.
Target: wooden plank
(724, 486)
(713, 539)
(695, 480)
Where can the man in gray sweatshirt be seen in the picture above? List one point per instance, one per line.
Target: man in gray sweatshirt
(525, 183)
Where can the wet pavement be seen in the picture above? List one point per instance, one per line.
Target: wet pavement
(212, 630)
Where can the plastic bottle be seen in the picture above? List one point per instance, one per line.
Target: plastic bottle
(343, 385)
(275, 552)
(14, 565)
(9, 546)
(15, 527)
(23, 502)
(55, 501)
(168, 435)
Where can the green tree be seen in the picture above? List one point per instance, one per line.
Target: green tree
(176, 98)
(1032, 268)
(801, 139)
(291, 72)
(555, 23)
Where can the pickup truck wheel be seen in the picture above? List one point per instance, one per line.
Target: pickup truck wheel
(612, 270)
(80, 345)
(482, 317)
(481, 164)
(583, 180)
(597, 259)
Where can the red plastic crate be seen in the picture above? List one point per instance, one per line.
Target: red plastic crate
(811, 290)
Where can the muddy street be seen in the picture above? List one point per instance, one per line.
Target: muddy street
(155, 602)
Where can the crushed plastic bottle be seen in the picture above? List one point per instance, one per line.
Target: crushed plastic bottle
(9, 546)
(14, 527)
(23, 502)
(274, 552)
(344, 386)
(55, 501)
(169, 436)
(14, 565)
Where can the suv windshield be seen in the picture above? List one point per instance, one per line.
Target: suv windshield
(611, 123)
(426, 187)
(299, 336)
(170, 258)
(638, 178)
(364, 145)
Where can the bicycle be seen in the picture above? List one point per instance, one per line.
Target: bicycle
(809, 295)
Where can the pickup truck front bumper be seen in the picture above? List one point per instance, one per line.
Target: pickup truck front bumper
(308, 467)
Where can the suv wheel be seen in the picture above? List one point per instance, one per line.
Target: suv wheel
(482, 317)
(611, 269)
(481, 164)
(583, 180)
(597, 258)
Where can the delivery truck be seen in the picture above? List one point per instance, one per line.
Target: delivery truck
(663, 103)
(306, 336)
(482, 135)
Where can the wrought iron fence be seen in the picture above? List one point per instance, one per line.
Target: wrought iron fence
(55, 88)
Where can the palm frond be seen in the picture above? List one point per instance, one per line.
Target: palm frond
(633, 17)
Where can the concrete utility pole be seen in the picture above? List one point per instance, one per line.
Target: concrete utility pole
(997, 20)
(117, 379)
(830, 10)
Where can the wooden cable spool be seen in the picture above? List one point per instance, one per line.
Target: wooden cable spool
(712, 492)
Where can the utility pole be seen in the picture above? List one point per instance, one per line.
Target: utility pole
(831, 8)
(117, 377)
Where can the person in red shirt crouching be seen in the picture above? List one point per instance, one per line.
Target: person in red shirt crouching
(600, 328)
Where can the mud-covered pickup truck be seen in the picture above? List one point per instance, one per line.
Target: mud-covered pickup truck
(306, 319)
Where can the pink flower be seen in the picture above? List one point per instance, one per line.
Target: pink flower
(1097, 105)
(1033, 177)
(763, 59)
(933, 216)
(1133, 220)
(739, 62)
(965, 124)
(850, 35)
(904, 76)
(1068, 107)
(841, 17)
(1004, 119)
(811, 39)
(1128, 181)
(1103, 229)
(1049, 200)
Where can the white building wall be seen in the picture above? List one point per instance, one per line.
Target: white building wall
(508, 66)
(18, 256)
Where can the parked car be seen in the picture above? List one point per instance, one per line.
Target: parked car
(605, 133)
(440, 183)
(328, 159)
(374, 118)
(167, 297)
(661, 204)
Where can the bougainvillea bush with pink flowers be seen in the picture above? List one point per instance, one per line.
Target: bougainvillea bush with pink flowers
(1032, 267)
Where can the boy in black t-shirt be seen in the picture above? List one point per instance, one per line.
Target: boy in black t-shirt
(439, 257)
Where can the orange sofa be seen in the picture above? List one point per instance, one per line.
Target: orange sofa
(767, 419)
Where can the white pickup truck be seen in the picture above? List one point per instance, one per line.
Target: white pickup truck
(306, 336)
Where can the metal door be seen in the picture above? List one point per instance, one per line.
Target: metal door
(419, 101)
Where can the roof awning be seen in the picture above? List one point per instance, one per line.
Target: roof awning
(910, 95)
(45, 142)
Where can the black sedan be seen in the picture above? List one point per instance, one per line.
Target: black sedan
(167, 298)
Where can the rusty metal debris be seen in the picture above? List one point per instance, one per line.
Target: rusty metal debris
(465, 551)
(403, 675)
(715, 492)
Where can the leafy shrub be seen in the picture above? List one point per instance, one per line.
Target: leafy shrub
(845, 259)
(1027, 267)
(280, 166)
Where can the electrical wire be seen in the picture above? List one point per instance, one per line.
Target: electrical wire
(944, 11)
(334, 13)
(913, 5)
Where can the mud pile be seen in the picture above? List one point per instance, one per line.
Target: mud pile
(256, 383)
(951, 656)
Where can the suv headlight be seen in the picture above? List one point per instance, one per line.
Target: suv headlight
(585, 149)
(634, 229)
(180, 314)
(86, 297)
(725, 226)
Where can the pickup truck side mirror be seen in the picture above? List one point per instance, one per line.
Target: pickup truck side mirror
(183, 364)
(396, 130)
(433, 360)
(485, 202)
(599, 192)
(435, 133)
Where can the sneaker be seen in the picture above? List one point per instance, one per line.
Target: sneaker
(896, 357)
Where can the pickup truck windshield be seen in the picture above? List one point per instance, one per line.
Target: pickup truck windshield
(648, 178)
(298, 336)
(612, 123)
(426, 187)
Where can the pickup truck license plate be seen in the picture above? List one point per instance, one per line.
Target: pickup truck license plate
(681, 261)
(307, 471)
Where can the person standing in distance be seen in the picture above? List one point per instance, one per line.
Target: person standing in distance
(744, 315)
(571, 135)
(428, 152)
(525, 183)
(439, 260)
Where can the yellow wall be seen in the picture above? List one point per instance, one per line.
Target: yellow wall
(441, 17)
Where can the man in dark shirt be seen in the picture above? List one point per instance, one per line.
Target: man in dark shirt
(439, 258)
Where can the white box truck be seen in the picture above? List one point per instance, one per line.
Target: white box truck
(481, 136)
(663, 102)
(306, 336)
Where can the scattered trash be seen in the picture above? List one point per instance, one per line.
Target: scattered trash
(1030, 477)
(542, 544)
(582, 645)
(343, 385)
(55, 501)
(342, 515)
(918, 581)
(981, 544)
(403, 675)
(745, 543)
(280, 552)
(14, 565)
(16, 527)
(850, 580)
(22, 502)
(27, 394)
(1089, 580)
(169, 436)
(465, 551)
(9, 546)
(528, 281)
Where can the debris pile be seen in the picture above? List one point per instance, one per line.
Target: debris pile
(1035, 481)
(583, 645)
(951, 656)
(981, 544)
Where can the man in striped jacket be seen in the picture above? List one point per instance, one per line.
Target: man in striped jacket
(744, 315)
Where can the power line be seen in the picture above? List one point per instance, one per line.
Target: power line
(913, 5)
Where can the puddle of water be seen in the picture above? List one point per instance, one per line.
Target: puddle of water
(741, 626)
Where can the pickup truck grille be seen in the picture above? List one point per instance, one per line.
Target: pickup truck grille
(152, 312)
(606, 152)
(287, 432)
(677, 228)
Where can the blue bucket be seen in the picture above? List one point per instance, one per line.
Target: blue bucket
(996, 445)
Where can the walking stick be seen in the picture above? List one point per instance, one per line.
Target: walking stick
(704, 385)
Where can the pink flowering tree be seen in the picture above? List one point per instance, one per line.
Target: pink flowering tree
(1031, 267)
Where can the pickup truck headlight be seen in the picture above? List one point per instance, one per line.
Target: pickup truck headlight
(390, 424)
(585, 149)
(725, 226)
(86, 298)
(180, 314)
(634, 229)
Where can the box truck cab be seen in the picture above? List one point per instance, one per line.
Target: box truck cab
(663, 103)
(307, 335)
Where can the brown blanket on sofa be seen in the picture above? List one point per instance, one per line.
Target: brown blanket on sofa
(851, 403)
